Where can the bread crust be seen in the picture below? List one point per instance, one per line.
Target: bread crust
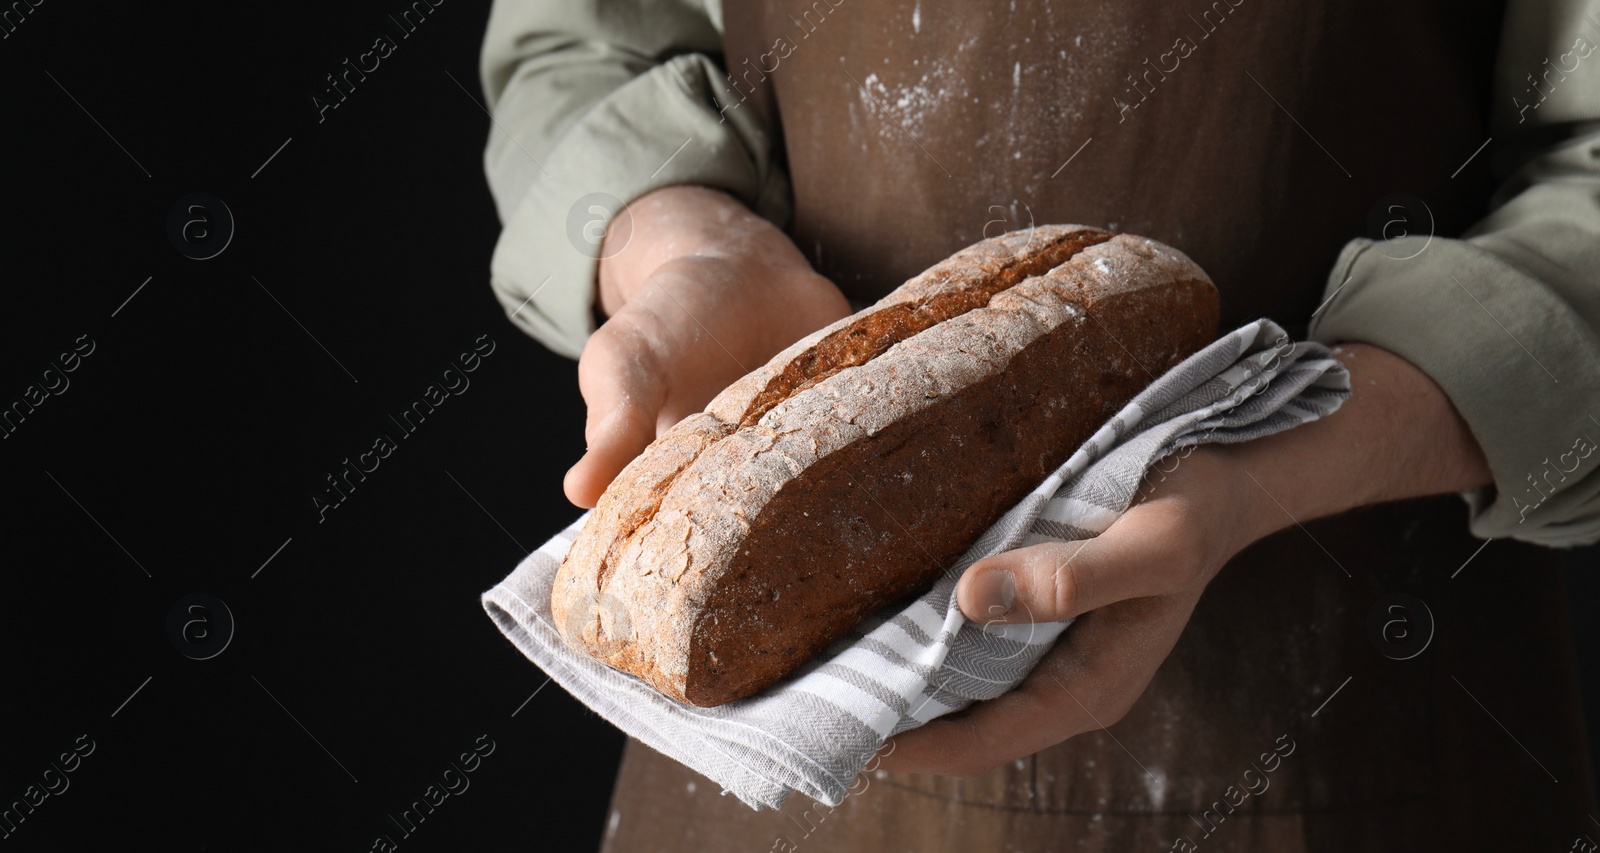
(848, 471)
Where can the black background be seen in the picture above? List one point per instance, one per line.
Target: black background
(209, 411)
(206, 415)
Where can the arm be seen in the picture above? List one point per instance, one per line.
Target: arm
(1445, 399)
(681, 251)
(616, 99)
(1507, 319)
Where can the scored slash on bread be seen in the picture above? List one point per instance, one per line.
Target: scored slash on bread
(854, 466)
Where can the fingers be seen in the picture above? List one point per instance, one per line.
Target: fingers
(624, 390)
(1134, 558)
(1088, 682)
(974, 741)
(695, 325)
(651, 365)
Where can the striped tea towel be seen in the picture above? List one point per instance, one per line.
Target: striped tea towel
(814, 731)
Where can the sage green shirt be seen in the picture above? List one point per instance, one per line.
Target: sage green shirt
(596, 104)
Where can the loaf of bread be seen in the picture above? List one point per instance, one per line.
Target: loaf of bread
(856, 465)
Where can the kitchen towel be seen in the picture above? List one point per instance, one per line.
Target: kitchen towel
(815, 730)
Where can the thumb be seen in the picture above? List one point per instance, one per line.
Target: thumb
(624, 391)
(1058, 580)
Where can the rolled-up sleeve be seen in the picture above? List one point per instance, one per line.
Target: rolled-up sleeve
(595, 103)
(1506, 319)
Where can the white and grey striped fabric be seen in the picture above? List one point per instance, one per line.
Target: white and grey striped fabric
(814, 731)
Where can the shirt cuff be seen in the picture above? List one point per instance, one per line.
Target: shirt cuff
(662, 128)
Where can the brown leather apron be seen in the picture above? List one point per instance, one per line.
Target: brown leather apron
(1257, 137)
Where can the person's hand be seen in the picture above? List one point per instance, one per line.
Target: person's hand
(700, 292)
(1135, 585)
(1133, 588)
